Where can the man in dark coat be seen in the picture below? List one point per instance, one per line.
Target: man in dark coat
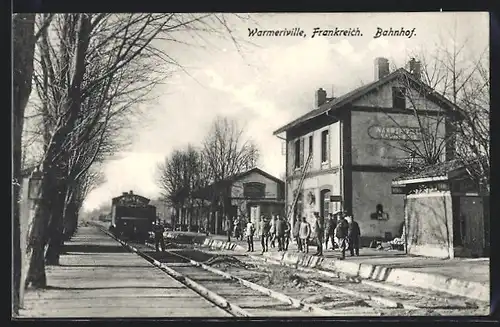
(229, 228)
(295, 234)
(287, 235)
(264, 233)
(280, 233)
(158, 230)
(342, 232)
(319, 231)
(331, 223)
(354, 235)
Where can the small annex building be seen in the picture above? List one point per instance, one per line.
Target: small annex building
(446, 214)
(250, 194)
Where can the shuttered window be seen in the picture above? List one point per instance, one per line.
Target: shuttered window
(302, 152)
(310, 145)
(297, 153)
(324, 146)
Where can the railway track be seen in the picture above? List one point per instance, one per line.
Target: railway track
(236, 296)
(245, 297)
(365, 297)
(238, 288)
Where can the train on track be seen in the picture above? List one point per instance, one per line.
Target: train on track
(132, 217)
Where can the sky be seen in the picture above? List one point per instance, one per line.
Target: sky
(268, 82)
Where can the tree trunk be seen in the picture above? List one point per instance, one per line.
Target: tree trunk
(174, 217)
(190, 215)
(70, 220)
(56, 226)
(38, 236)
(23, 32)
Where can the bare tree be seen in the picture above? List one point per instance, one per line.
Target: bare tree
(171, 182)
(24, 39)
(23, 27)
(462, 130)
(92, 64)
(469, 88)
(226, 153)
(179, 176)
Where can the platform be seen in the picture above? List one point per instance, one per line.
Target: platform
(99, 278)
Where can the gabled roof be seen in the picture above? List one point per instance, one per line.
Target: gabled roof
(441, 171)
(258, 171)
(236, 177)
(437, 171)
(355, 94)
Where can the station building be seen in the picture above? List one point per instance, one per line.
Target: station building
(360, 142)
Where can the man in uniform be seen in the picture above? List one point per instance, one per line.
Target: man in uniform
(280, 233)
(342, 232)
(304, 233)
(249, 232)
(272, 231)
(319, 230)
(331, 223)
(229, 227)
(354, 235)
(295, 234)
(264, 233)
(158, 230)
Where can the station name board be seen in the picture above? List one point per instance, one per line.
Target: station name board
(398, 190)
(394, 133)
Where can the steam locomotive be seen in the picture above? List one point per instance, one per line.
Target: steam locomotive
(132, 217)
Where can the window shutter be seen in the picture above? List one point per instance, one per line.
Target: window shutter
(328, 149)
(302, 152)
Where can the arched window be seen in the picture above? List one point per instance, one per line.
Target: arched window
(254, 190)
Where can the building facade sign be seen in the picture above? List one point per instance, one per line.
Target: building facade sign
(394, 133)
(254, 190)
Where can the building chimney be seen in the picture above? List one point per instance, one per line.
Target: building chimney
(414, 67)
(320, 98)
(381, 68)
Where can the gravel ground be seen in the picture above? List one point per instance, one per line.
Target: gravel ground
(297, 284)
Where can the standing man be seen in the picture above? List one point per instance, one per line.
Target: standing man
(264, 234)
(280, 233)
(342, 231)
(249, 231)
(295, 233)
(236, 228)
(354, 235)
(272, 231)
(304, 234)
(331, 223)
(319, 231)
(287, 234)
(240, 228)
(158, 230)
(229, 228)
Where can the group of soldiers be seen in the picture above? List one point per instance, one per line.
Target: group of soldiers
(341, 229)
(272, 230)
(338, 229)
